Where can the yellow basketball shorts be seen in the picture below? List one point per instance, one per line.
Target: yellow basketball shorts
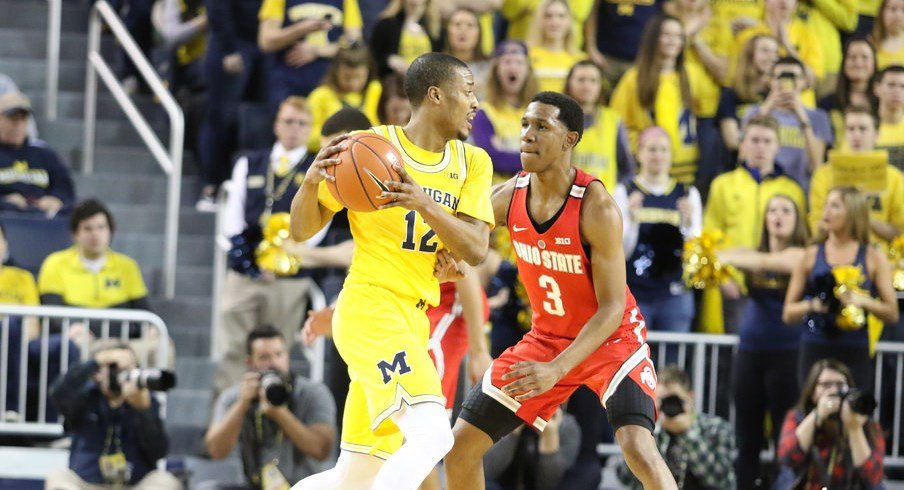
(383, 339)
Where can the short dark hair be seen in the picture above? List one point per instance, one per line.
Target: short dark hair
(88, 209)
(790, 60)
(262, 332)
(863, 110)
(570, 112)
(430, 70)
(674, 375)
(348, 119)
(888, 69)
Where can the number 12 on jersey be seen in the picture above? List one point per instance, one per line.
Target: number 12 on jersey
(424, 243)
(554, 306)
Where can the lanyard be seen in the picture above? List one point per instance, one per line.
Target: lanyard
(273, 196)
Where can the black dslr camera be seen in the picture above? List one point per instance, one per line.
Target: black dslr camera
(276, 386)
(862, 402)
(672, 406)
(151, 379)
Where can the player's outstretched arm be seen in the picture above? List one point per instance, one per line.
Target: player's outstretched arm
(601, 229)
(308, 216)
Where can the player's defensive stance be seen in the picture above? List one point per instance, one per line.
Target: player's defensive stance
(587, 330)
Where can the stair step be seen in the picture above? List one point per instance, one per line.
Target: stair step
(184, 311)
(33, 15)
(190, 281)
(31, 74)
(131, 160)
(119, 189)
(72, 105)
(32, 43)
(66, 135)
(187, 407)
(151, 218)
(194, 342)
(147, 249)
(194, 373)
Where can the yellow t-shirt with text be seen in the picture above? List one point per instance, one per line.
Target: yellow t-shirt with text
(324, 101)
(395, 248)
(17, 287)
(551, 67)
(349, 17)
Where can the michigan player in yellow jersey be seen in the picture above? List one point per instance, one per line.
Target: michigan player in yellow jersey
(379, 325)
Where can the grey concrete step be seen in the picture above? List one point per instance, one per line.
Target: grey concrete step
(33, 15)
(187, 406)
(71, 105)
(184, 312)
(32, 43)
(194, 341)
(194, 373)
(151, 218)
(65, 135)
(31, 74)
(226, 472)
(190, 281)
(147, 249)
(134, 189)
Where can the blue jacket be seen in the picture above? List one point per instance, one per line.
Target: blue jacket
(34, 171)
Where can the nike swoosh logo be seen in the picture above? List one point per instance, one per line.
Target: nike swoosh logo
(517, 228)
(377, 180)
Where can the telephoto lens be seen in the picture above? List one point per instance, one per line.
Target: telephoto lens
(275, 386)
(150, 379)
(672, 406)
(862, 402)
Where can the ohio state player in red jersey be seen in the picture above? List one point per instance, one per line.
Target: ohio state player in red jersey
(586, 327)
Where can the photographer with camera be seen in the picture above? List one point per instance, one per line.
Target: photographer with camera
(117, 433)
(828, 440)
(699, 449)
(284, 424)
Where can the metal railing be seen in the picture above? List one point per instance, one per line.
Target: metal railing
(66, 317)
(52, 91)
(221, 246)
(700, 356)
(170, 160)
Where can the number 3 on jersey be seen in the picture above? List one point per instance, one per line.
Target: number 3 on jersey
(422, 245)
(554, 306)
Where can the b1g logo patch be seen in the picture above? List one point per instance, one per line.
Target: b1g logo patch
(399, 365)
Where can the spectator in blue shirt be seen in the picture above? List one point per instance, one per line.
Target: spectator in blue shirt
(117, 434)
(32, 178)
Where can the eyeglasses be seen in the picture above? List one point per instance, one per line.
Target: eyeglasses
(295, 122)
(841, 385)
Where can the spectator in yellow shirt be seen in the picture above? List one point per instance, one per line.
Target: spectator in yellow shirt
(407, 29)
(857, 69)
(888, 34)
(660, 90)
(394, 107)
(604, 151)
(889, 90)
(886, 208)
(552, 45)
(350, 81)
(520, 15)
(828, 19)
(17, 286)
(795, 37)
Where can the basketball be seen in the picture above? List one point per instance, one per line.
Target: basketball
(365, 165)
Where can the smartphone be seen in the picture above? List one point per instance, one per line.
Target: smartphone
(787, 81)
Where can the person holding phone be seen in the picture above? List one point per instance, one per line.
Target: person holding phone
(805, 133)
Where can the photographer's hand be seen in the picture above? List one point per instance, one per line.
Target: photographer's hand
(828, 405)
(853, 427)
(139, 399)
(251, 385)
(274, 412)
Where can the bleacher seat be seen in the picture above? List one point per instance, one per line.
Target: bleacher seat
(31, 240)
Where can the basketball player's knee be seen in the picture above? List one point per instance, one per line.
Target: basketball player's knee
(638, 446)
(427, 427)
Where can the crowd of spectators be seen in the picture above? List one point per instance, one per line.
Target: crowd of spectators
(746, 118)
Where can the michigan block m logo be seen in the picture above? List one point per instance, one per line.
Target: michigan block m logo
(398, 365)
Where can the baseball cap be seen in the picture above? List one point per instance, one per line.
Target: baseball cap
(11, 102)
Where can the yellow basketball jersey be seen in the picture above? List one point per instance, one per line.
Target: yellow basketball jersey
(395, 248)
(596, 152)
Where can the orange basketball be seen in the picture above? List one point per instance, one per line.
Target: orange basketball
(365, 165)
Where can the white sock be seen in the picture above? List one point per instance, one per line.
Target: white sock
(428, 437)
(353, 471)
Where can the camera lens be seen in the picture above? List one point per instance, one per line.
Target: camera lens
(672, 406)
(274, 386)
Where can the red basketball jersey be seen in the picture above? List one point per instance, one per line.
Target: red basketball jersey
(553, 264)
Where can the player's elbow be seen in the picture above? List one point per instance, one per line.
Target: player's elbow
(476, 256)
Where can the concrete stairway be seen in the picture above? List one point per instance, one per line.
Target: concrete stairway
(128, 179)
